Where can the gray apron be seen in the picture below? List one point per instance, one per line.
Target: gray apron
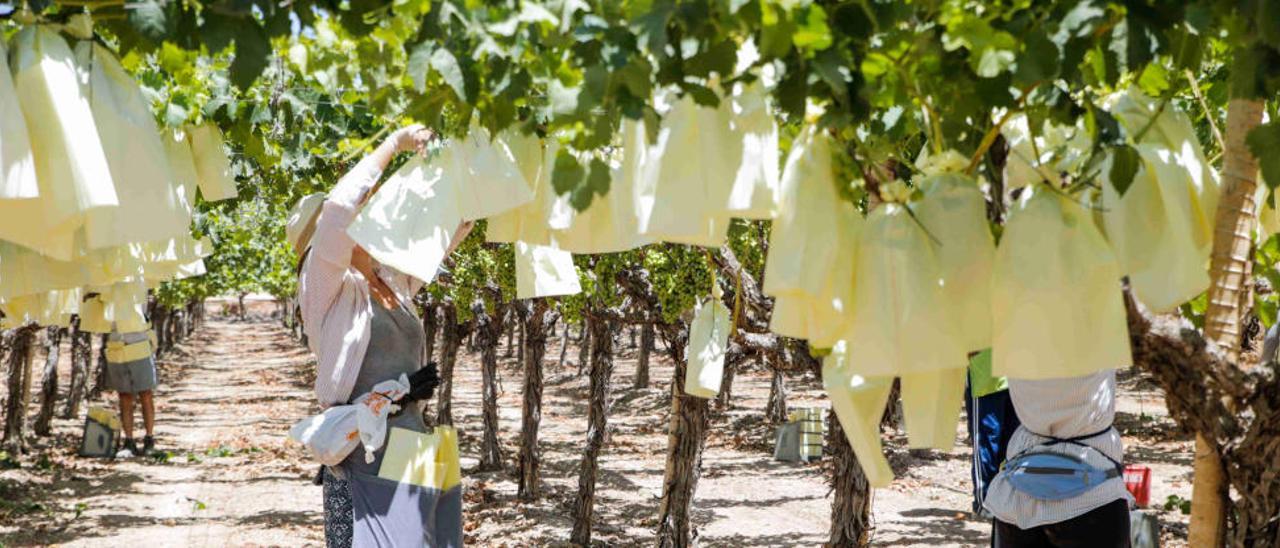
(385, 512)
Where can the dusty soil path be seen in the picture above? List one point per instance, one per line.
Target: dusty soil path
(228, 396)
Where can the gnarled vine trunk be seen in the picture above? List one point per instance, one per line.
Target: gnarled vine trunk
(538, 326)
(597, 427)
(851, 508)
(48, 382)
(489, 331)
(775, 409)
(642, 359)
(451, 337)
(430, 324)
(81, 349)
(686, 439)
(21, 352)
(100, 373)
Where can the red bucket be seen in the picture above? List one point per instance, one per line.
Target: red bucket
(1137, 479)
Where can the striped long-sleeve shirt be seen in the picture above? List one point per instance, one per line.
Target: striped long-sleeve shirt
(334, 297)
(1062, 408)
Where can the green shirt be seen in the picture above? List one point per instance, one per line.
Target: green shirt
(981, 383)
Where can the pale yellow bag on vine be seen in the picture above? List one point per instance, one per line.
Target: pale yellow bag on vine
(544, 271)
(954, 212)
(859, 404)
(530, 222)
(708, 343)
(902, 320)
(931, 406)
(756, 186)
(71, 168)
(1152, 229)
(17, 164)
(1057, 307)
(691, 172)
(213, 166)
(49, 309)
(409, 222)
(150, 206)
(610, 223)
(484, 172)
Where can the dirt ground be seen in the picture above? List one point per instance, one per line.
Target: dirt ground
(229, 477)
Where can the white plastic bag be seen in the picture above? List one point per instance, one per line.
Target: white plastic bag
(708, 342)
(213, 167)
(17, 164)
(71, 168)
(902, 321)
(954, 212)
(409, 223)
(544, 271)
(930, 406)
(859, 405)
(332, 435)
(1057, 309)
(150, 207)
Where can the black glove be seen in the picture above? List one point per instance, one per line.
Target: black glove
(423, 383)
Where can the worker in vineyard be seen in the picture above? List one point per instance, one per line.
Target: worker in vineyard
(1062, 483)
(131, 373)
(358, 319)
(992, 421)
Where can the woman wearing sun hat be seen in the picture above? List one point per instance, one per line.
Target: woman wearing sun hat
(350, 305)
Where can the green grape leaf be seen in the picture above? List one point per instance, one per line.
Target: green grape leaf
(1263, 142)
(252, 52)
(419, 64)
(719, 58)
(567, 173)
(443, 61)
(813, 34)
(1124, 166)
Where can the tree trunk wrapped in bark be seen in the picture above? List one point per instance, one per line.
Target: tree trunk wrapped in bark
(1230, 273)
(48, 382)
(564, 346)
(851, 507)
(81, 350)
(731, 360)
(597, 427)
(489, 333)
(21, 353)
(642, 360)
(160, 323)
(450, 341)
(510, 328)
(538, 326)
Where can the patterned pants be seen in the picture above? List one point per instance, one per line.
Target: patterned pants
(338, 518)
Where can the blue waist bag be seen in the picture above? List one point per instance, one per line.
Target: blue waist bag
(1054, 476)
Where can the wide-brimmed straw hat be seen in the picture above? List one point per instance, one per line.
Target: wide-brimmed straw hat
(302, 222)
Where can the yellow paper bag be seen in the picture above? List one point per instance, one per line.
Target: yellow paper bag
(954, 212)
(544, 271)
(71, 168)
(756, 186)
(610, 224)
(691, 172)
(930, 405)
(213, 167)
(708, 342)
(902, 322)
(1057, 308)
(150, 207)
(428, 460)
(409, 223)
(859, 404)
(17, 165)
(487, 178)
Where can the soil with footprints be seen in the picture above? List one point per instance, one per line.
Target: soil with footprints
(227, 475)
